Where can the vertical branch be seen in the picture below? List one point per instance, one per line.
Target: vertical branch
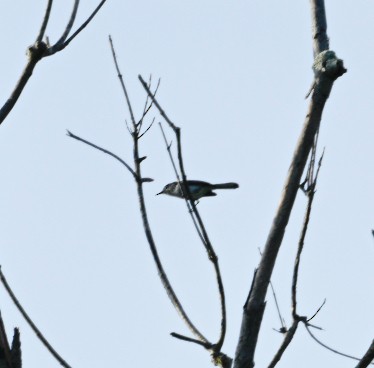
(70, 23)
(40, 49)
(319, 27)
(206, 241)
(43, 27)
(327, 69)
(147, 229)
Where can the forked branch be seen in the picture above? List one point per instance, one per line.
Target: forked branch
(327, 68)
(201, 228)
(41, 49)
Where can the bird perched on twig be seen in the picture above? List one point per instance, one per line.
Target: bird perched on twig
(197, 189)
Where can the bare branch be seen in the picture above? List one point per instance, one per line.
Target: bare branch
(71, 135)
(367, 358)
(146, 106)
(149, 127)
(43, 27)
(168, 148)
(299, 251)
(327, 68)
(328, 348)
(206, 242)
(287, 339)
(162, 112)
(147, 229)
(205, 345)
(31, 323)
(283, 329)
(319, 26)
(59, 47)
(35, 54)
(309, 319)
(69, 25)
(122, 83)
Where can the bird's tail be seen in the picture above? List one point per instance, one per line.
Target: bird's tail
(225, 186)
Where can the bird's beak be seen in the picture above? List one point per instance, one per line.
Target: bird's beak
(160, 193)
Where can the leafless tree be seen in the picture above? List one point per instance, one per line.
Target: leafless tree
(10, 357)
(327, 68)
(41, 49)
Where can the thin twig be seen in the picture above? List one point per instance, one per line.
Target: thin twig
(207, 244)
(35, 53)
(168, 148)
(286, 341)
(309, 319)
(31, 323)
(43, 27)
(327, 347)
(71, 135)
(189, 339)
(147, 229)
(60, 47)
(146, 107)
(283, 328)
(69, 25)
(119, 75)
(311, 191)
(149, 127)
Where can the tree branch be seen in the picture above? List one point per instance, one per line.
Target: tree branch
(327, 69)
(206, 241)
(58, 47)
(147, 229)
(31, 323)
(336, 351)
(43, 27)
(367, 358)
(287, 340)
(40, 50)
(69, 25)
(71, 135)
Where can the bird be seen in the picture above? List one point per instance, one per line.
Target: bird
(197, 189)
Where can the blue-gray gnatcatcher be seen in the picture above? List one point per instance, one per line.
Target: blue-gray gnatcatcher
(197, 189)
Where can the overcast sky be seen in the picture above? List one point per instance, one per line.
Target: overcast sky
(233, 77)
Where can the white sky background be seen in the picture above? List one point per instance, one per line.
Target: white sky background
(234, 76)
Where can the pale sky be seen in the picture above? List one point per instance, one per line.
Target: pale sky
(233, 77)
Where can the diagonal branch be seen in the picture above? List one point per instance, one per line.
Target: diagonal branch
(207, 244)
(338, 352)
(168, 148)
(38, 51)
(69, 25)
(286, 341)
(31, 323)
(367, 358)
(58, 47)
(327, 69)
(71, 135)
(35, 54)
